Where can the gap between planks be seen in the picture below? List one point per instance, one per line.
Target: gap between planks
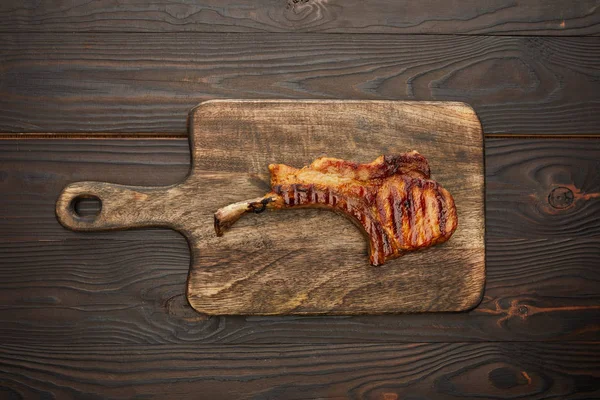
(178, 136)
(267, 33)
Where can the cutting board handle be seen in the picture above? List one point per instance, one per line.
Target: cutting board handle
(121, 206)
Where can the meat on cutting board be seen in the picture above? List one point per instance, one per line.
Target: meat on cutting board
(392, 199)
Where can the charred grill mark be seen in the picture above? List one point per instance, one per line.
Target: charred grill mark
(415, 225)
(423, 236)
(395, 201)
(283, 191)
(388, 249)
(303, 194)
(379, 242)
(294, 195)
(441, 210)
(380, 209)
(381, 247)
(391, 215)
(377, 250)
(290, 194)
(310, 197)
(300, 194)
(408, 210)
(405, 224)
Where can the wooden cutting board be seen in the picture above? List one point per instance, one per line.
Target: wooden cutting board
(307, 261)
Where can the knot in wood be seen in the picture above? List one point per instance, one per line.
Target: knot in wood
(561, 197)
(523, 310)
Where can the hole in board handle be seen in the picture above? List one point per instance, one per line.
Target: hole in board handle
(86, 207)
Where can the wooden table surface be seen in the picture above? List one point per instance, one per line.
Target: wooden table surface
(104, 315)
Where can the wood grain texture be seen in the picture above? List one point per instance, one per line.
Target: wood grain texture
(357, 371)
(520, 176)
(62, 287)
(263, 266)
(525, 176)
(123, 291)
(104, 314)
(527, 17)
(146, 83)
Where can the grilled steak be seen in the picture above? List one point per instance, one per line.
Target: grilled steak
(392, 199)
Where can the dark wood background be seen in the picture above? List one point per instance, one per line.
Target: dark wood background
(104, 315)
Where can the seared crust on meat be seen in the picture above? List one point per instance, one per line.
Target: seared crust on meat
(392, 199)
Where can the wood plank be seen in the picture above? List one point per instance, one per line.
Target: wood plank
(495, 17)
(128, 287)
(146, 83)
(365, 371)
(521, 174)
(133, 291)
(543, 188)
